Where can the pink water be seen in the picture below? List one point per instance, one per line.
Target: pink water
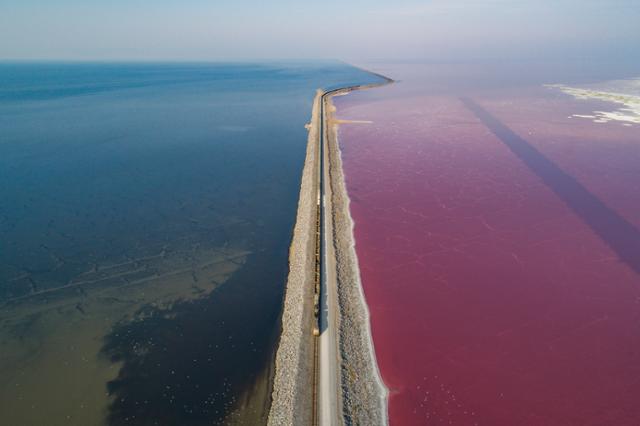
(503, 289)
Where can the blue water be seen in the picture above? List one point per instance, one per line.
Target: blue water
(145, 217)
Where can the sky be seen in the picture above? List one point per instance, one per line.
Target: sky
(299, 29)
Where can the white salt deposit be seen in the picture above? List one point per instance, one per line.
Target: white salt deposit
(624, 93)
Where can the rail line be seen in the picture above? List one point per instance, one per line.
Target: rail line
(324, 411)
(326, 406)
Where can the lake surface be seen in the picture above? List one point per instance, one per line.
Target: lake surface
(145, 216)
(497, 218)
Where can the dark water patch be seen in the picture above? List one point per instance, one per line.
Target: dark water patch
(618, 233)
(188, 364)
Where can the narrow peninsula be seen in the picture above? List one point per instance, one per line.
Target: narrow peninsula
(325, 371)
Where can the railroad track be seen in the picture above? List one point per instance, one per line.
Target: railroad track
(326, 407)
(325, 377)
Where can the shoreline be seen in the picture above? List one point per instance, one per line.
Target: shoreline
(292, 394)
(361, 391)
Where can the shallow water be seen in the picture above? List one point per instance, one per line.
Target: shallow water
(498, 239)
(145, 217)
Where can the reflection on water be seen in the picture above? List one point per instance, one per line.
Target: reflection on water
(145, 217)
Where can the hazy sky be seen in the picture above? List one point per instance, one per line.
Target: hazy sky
(347, 29)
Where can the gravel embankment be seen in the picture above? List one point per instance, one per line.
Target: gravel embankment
(363, 393)
(292, 397)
